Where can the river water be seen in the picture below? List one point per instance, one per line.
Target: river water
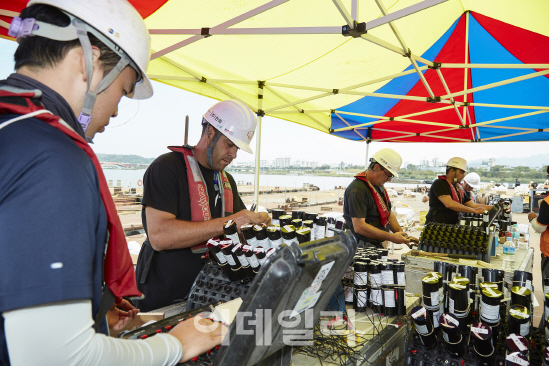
(130, 178)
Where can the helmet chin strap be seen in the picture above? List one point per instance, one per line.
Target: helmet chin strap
(210, 149)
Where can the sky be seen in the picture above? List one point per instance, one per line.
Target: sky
(147, 127)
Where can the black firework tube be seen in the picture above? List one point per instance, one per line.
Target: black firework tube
(493, 275)
(274, 235)
(517, 343)
(297, 222)
(215, 252)
(387, 274)
(519, 320)
(248, 233)
(251, 258)
(485, 219)
(360, 282)
(481, 334)
(384, 254)
(276, 213)
(231, 231)
(400, 298)
(376, 299)
(458, 297)
(330, 224)
(311, 217)
(431, 291)
(310, 224)
(516, 359)
(389, 301)
(424, 326)
(398, 273)
(521, 296)
(374, 256)
(260, 255)
(348, 291)
(449, 324)
(261, 238)
(288, 234)
(489, 304)
(226, 247)
(297, 215)
(285, 220)
(320, 231)
(522, 278)
(303, 234)
(237, 251)
(374, 274)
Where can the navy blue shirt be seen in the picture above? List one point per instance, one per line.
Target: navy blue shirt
(53, 224)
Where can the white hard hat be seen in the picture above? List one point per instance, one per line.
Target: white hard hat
(234, 120)
(472, 179)
(121, 24)
(389, 159)
(458, 163)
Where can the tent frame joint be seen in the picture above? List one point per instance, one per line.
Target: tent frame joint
(205, 32)
(358, 30)
(203, 80)
(436, 65)
(260, 113)
(433, 100)
(261, 84)
(335, 91)
(408, 54)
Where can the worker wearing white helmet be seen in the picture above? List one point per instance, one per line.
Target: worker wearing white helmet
(367, 208)
(186, 200)
(470, 183)
(447, 197)
(75, 61)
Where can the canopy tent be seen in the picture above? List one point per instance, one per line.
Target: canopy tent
(367, 70)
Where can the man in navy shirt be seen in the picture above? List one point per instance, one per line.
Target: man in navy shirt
(54, 216)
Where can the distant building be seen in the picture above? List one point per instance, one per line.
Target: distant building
(283, 163)
(424, 163)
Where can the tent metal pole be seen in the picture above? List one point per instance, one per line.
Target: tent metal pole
(451, 99)
(344, 13)
(258, 145)
(493, 66)
(347, 123)
(466, 61)
(228, 23)
(354, 10)
(367, 151)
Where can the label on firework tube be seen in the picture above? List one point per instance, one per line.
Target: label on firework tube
(261, 238)
(260, 255)
(231, 231)
(248, 233)
(250, 256)
(226, 247)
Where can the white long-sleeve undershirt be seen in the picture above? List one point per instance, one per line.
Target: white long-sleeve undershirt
(62, 333)
(538, 228)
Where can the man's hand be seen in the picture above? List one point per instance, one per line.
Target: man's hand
(400, 238)
(425, 199)
(531, 216)
(119, 316)
(264, 218)
(244, 217)
(198, 335)
(479, 210)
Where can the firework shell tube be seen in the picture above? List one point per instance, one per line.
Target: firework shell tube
(274, 235)
(516, 359)
(303, 234)
(285, 220)
(330, 224)
(449, 325)
(260, 255)
(521, 296)
(424, 326)
(400, 298)
(276, 213)
(481, 335)
(288, 234)
(248, 233)
(360, 282)
(493, 275)
(517, 343)
(297, 222)
(384, 254)
(431, 287)
(261, 238)
(231, 231)
(251, 258)
(519, 320)
(458, 297)
(399, 274)
(489, 305)
(522, 278)
(387, 273)
(389, 301)
(237, 251)
(320, 232)
(298, 215)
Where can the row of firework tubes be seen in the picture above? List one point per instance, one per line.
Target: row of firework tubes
(242, 259)
(454, 317)
(373, 281)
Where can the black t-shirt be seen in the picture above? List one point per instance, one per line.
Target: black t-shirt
(543, 217)
(359, 202)
(437, 211)
(172, 273)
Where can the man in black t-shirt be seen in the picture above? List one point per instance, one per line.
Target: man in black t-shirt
(167, 267)
(367, 208)
(447, 198)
